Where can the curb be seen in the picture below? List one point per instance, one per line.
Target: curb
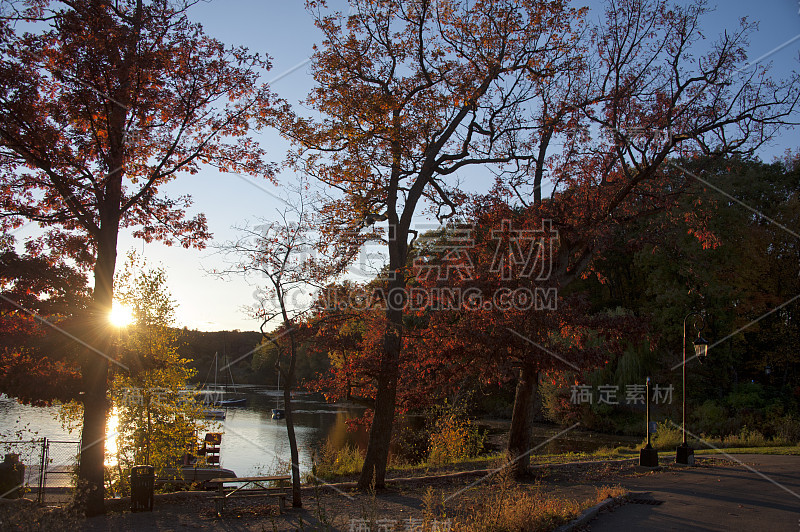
(590, 513)
(397, 481)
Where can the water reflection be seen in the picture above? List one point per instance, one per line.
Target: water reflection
(253, 443)
(111, 438)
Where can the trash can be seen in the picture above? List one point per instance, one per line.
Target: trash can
(143, 479)
(12, 477)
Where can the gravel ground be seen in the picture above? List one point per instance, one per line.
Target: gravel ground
(399, 507)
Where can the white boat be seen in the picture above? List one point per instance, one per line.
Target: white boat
(214, 413)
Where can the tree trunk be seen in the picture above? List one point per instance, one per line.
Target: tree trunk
(297, 501)
(94, 372)
(527, 407)
(373, 474)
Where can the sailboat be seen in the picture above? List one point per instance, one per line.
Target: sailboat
(216, 398)
(277, 412)
(236, 398)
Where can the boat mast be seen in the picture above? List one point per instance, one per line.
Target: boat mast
(278, 397)
(216, 390)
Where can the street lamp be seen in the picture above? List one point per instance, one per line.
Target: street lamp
(685, 454)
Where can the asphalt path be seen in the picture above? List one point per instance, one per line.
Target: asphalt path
(739, 492)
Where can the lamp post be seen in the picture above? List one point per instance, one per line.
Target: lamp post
(685, 454)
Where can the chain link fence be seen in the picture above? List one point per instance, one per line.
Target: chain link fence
(50, 468)
(60, 471)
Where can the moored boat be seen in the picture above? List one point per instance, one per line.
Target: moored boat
(189, 474)
(214, 413)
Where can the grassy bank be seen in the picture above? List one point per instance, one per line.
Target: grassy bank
(344, 464)
(791, 450)
(669, 435)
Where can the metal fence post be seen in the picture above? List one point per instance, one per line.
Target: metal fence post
(42, 475)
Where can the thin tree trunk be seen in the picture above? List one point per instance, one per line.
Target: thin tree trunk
(287, 399)
(526, 409)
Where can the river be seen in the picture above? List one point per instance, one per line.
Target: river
(254, 444)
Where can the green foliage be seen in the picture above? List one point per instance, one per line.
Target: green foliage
(714, 419)
(746, 395)
(667, 437)
(709, 253)
(309, 364)
(199, 348)
(156, 416)
(787, 428)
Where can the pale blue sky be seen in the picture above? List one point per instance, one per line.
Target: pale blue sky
(282, 29)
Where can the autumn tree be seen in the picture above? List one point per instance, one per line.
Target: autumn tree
(412, 93)
(657, 97)
(103, 103)
(39, 295)
(157, 418)
(285, 261)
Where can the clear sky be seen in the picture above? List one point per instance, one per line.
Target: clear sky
(283, 30)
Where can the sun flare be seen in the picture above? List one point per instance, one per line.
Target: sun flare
(121, 315)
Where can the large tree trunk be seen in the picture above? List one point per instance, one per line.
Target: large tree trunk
(527, 408)
(373, 474)
(94, 372)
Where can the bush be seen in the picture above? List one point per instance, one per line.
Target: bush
(746, 438)
(712, 419)
(667, 437)
(787, 429)
(453, 437)
(410, 441)
(332, 461)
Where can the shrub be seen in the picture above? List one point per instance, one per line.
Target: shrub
(747, 438)
(333, 461)
(787, 429)
(667, 436)
(713, 419)
(453, 437)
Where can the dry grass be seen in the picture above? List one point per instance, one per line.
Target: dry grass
(332, 461)
(511, 507)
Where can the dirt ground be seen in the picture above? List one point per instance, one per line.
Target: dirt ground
(402, 506)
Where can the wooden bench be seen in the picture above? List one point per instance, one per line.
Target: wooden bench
(261, 490)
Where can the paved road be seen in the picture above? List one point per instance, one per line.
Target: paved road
(761, 493)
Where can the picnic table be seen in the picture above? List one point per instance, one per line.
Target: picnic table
(250, 487)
